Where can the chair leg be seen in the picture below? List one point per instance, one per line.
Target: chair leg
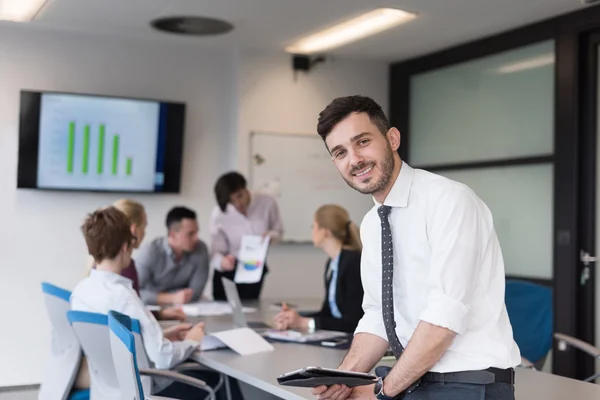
(227, 387)
(592, 378)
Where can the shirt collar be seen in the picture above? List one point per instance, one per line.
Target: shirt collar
(398, 195)
(111, 277)
(167, 248)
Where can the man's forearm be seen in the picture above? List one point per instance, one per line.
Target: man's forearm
(425, 348)
(366, 351)
(164, 299)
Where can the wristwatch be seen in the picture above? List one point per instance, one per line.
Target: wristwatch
(311, 325)
(378, 390)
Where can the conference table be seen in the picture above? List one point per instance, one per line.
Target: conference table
(262, 369)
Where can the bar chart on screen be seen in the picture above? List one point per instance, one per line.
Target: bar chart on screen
(100, 144)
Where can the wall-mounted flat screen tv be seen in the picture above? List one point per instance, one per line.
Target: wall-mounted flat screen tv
(82, 142)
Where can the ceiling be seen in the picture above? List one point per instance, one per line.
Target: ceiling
(268, 25)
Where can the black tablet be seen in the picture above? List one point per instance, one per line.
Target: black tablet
(317, 376)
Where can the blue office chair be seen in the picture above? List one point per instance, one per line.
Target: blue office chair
(530, 310)
(66, 354)
(93, 332)
(123, 348)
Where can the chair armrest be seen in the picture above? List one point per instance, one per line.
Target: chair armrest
(578, 344)
(191, 366)
(194, 366)
(188, 380)
(525, 363)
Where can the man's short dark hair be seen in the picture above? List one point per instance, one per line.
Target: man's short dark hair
(226, 185)
(341, 107)
(178, 214)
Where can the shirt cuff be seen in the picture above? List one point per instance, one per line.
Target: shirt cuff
(148, 297)
(446, 312)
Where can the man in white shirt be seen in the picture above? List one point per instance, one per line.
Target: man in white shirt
(432, 272)
(109, 240)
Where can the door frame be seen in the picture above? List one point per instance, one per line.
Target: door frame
(590, 51)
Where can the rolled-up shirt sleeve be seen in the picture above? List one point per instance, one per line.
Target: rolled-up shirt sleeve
(163, 353)
(219, 245)
(275, 223)
(372, 320)
(146, 260)
(455, 229)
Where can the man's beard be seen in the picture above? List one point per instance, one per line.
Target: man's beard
(387, 169)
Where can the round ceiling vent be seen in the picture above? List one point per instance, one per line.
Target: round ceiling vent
(192, 25)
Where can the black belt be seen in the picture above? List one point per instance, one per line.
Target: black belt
(482, 377)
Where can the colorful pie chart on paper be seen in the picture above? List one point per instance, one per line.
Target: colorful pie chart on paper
(251, 265)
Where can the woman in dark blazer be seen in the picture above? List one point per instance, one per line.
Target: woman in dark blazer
(338, 237)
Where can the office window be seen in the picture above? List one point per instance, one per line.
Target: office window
(495, 107)
(521, 201)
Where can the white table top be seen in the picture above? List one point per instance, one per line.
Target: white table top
(261, 370)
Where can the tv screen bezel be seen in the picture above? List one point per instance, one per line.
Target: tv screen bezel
(29, 136)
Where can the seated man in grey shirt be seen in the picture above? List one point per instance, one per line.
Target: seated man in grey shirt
(174, 269)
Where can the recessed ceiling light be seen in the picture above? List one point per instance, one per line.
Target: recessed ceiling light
(192, 25)
(351, 30)
(20, 10)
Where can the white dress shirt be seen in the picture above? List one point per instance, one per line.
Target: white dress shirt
(448, 271)
(103, 291)
(227, 228)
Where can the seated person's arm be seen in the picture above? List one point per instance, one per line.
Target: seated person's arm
(165, 354)
(145, 263)
(351, 314)
(200, 276)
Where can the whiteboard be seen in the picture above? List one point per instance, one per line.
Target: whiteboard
(297, 170)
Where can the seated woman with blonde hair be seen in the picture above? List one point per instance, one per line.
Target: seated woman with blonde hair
(339, 238)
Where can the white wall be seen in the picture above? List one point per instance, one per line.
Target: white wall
(227, 94)
(39, 237)
(272, 100)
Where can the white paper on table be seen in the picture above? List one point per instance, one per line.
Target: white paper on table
(210, 308)
(251, 259)
(210, 342)
(243, 341)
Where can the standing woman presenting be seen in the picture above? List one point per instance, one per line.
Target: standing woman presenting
(239, 212)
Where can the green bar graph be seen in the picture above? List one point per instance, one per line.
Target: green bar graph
(86, 149)
(87, 158)
(100, 159)
(115, 155)
(71, 149)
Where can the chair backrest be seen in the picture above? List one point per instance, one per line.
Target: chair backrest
(530, 310)
(65, 349)
(93, 334)
(141, 356)
(124, 356)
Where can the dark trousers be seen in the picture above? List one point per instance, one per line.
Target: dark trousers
(247, 291)
(461, 391)
(181, 391)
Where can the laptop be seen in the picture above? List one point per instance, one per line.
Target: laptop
(233, 298)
